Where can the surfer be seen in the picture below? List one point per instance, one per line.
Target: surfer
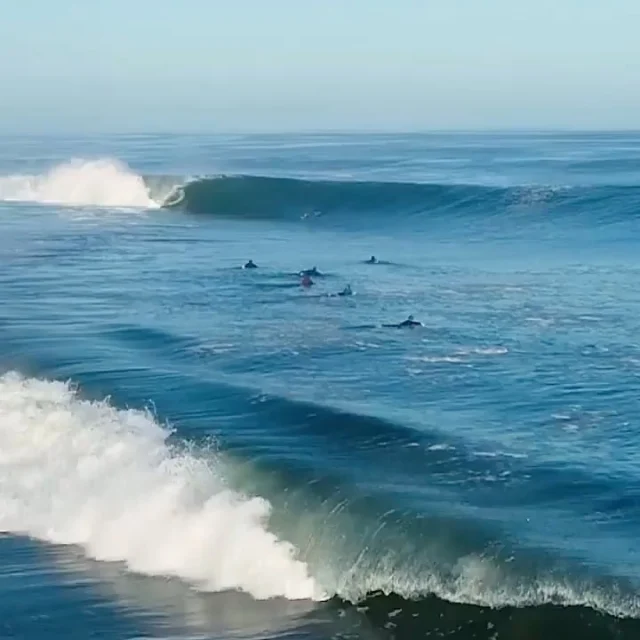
(251, 265)
(409, 322)
(372, 260)
(306, 280)
(347, 291)
(310, 272)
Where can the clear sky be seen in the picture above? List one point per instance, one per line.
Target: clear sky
(254, 65)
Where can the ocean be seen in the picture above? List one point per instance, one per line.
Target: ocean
(190, 449)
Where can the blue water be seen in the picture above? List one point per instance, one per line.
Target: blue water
(189, 449)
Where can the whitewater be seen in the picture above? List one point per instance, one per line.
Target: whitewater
(103, 182)
(192, 449)
(84, 473)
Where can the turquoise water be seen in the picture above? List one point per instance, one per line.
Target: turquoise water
(192, 449)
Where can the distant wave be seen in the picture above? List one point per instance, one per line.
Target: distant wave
(290, 198)
(110, 183)
(265, 197)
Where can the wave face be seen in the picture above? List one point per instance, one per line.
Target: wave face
(269, 197)
(102, 183)
(83, 473)
(288, 198)
(258, 195)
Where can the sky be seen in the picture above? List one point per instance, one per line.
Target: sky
(283, 65)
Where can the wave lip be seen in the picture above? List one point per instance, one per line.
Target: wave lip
(84, 473)
(102, 182)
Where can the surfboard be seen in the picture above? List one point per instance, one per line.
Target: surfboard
(175, 197)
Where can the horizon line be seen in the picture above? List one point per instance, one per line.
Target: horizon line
(324, 131)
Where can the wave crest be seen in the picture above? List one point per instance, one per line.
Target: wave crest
(85, 473)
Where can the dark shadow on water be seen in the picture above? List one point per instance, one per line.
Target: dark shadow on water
(168, 607)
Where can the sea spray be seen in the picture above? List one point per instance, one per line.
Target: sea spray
(103, 183)
(85, 473)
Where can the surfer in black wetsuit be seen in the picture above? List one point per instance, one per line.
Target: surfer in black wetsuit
(409, 322)
(251, 265)
(347, 291)
(372, 260)
(310, 272)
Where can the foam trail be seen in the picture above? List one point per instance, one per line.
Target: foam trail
(104, 182)
(85, 473)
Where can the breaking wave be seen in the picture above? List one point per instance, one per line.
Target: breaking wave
(110, 183)
(84, 473)
(115, 483)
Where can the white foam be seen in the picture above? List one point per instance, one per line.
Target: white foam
(484, 351)
(440, 447)
(85, 473)
(103, 182)
(436, 359)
